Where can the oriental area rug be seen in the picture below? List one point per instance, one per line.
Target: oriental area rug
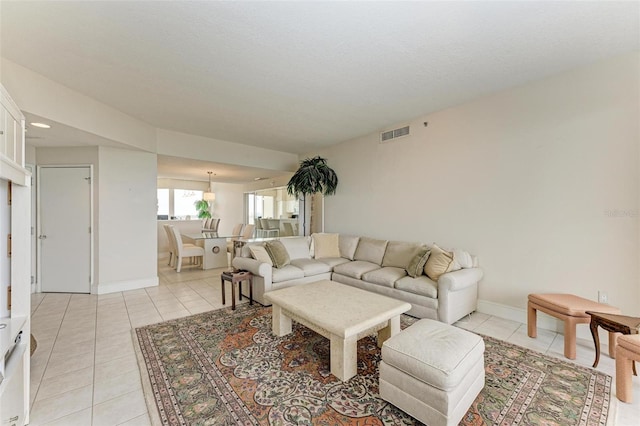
(225, 367)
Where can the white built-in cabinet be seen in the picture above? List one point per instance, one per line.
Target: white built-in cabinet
(15, 266)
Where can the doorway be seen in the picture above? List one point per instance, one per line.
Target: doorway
(64, 228)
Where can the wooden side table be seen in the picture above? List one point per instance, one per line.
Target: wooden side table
(613, 324)
(236, 277)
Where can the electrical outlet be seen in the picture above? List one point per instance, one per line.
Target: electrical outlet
(603, 297)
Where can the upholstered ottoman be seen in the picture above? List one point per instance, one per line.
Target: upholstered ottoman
(433, 371)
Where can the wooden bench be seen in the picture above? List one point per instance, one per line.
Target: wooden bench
(628, 351)
(571, 310)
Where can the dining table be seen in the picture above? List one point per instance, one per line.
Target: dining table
(214, 245)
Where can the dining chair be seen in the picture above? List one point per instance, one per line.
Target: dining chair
(258, 227)
(215, 223)
(288, 229)
(267, 229)
(236, 232)
(172, 249)
(247, 232)
(185, 250)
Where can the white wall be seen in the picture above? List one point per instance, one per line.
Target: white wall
(540, 181)
(127, 219)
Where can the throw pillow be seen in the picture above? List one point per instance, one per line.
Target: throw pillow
(297, 247)
(277, 253)
(462, 259)
(439, 262)
(348, 246)
(259, 253)
(326, 245)
(371, 250)
(416, 265)
(398, 254)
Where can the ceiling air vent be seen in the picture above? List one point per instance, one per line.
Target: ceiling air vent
(393, 134)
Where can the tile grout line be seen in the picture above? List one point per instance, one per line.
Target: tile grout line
(44, 372)
(95, 349)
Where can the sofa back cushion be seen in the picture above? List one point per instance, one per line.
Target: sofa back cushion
(297, 247)
(348, 245)
(326, 245)
(371, 250)
(277, 253)
(398, 254)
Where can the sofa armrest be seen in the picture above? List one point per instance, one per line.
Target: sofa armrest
(458, 294)
(252, 265)
(459, 280)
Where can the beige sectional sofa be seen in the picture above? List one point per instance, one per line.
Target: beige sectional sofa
(375, 265)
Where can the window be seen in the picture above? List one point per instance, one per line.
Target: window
(183, 202)
(177, 203)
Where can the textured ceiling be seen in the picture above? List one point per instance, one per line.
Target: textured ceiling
(294, 76)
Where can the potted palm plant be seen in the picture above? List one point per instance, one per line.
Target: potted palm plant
(202, 206)
(312, 177)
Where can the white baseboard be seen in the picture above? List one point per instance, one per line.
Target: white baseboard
(545, 321)
(115, 286)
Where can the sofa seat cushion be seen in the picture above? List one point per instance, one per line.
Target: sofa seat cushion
(286, 273)
(384, 276)
(421, 285)
(311, 266)
(334, 261)
(433, 352)
(297, 247)
(355, 269)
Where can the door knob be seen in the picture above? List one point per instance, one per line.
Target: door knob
(42, 237)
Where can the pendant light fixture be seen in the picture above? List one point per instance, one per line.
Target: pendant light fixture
(209, 196)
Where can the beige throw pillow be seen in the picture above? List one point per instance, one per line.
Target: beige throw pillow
(259, 253)
(326, 245)
(398, 254)
(348, 245)
(277, 253)
(438, 263)
(416, 265)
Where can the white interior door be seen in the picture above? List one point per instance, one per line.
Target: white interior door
(65, 229)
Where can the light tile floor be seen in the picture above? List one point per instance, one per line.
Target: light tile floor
(84, 371)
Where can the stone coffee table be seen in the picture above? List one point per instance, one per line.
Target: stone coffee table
(341, 313)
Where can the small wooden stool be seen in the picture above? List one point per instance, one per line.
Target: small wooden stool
(236, 277)
(572, 310)
(627, 351)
